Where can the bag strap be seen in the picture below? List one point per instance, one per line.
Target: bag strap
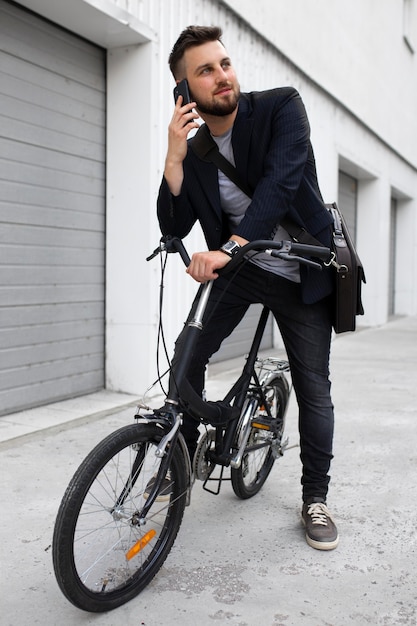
(339, 241)
(207, 150)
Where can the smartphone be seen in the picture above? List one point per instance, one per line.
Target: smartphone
(182, 90)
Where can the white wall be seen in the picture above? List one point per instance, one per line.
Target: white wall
(355, 50)
(129, 207)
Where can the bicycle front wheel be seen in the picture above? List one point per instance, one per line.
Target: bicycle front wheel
(103, 555)
(259, 456)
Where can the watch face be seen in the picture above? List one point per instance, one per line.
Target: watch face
(231, 246)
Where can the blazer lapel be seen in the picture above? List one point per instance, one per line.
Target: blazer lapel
(205, 170)
(241, 136)
(207, 173)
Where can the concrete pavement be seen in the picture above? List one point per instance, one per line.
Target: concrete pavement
(242, 563)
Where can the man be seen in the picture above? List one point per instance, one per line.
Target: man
(266, 136)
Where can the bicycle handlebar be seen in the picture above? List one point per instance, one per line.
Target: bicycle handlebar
(288, 250)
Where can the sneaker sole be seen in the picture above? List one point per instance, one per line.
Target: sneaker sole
(320, 545)
(160, 498)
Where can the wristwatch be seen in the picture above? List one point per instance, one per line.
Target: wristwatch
(230, 248)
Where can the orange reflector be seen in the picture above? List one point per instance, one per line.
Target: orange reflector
(260, 426)
(140, 544)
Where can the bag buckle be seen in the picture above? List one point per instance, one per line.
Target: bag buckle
(340, 268)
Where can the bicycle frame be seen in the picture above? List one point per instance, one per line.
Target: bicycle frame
(223, 414)
(237, 394)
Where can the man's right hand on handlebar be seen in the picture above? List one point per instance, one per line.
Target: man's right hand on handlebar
(203, 265)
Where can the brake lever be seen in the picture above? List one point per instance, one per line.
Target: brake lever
(171, 244)
(300, 259)
(155, 253)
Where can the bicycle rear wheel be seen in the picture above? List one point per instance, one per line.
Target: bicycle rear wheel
(102, 556)
(259, 456)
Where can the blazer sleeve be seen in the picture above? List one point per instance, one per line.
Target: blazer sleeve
(287, 149)
(174, 213)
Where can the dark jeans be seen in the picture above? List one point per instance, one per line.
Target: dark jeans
(306, 332)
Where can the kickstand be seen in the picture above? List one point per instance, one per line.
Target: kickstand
(218, 479)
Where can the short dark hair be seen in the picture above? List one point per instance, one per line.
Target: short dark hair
(190, 37)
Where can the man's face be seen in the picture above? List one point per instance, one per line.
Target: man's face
(212, 79)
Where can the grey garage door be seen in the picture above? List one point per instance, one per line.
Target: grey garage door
(348, 195)
(52, 212)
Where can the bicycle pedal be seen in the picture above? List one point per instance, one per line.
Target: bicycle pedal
(263, 424)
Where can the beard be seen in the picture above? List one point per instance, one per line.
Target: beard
(221, 108)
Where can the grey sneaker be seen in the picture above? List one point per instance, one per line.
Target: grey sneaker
(321, 531)
(165, 491)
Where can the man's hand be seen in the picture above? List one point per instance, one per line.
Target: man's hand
(181, 123)
(203, 265)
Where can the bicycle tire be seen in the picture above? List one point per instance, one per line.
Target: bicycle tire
(256, 465)
(95, 534)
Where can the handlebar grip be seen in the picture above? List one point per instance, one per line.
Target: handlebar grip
(175, 244)
(180, 248)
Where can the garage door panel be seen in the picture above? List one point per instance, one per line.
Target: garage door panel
(66, 387)
(21, 193)
(45, 353)
(41, 43)
(51, 159)
(47, 371)
(44, 217)
(12, 255)
(14, 194)
(41, 334)
(48, 313)
(24, 52)
(25, 132)
(19, 356)
(46, 119)
(57, 312)
(44, 276)
(31, 235)
(40, 88)
(40, 176)
(15, 296)
(26, 78)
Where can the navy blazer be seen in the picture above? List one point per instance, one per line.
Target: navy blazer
(274, 156)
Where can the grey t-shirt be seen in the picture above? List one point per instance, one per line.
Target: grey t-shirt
(234, 203)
